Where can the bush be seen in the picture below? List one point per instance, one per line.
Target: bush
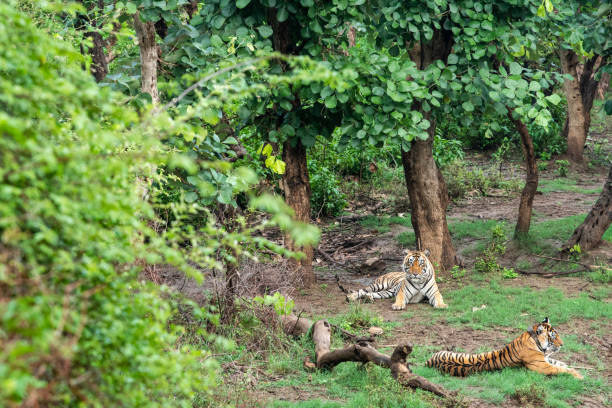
(326, 198)
(78, 328)
(460, 180)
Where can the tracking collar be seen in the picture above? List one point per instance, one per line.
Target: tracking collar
(535, 338)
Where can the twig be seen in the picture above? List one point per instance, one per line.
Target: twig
(549, 274)
(589, 267)
(342, 288)
(296, 321)
(329, 257)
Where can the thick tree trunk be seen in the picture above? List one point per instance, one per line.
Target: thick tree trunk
(148, 57)
(296, 186)
(426, 186)
(295, 181)
(531, 179)
(580, 93)
(588, 234)
(428, 202)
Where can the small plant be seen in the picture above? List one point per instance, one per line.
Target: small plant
(562, 167)
(530, 396)
(488, 263)
(359, 317)
(542, 165)
(509, 273)
(457, 272)
(281, 305)
(575, 252)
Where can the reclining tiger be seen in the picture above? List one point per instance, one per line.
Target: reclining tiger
(415, 283)
(531, 349)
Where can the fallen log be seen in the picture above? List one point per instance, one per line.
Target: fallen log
(364, 352)
(295, 325)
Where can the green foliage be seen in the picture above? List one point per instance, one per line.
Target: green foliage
(446, 151)
(509, 273)
(281, 305)
(460, 180)
(326, 197)
(562, 167)
(457, 272)
(73, 226)
(488, 263)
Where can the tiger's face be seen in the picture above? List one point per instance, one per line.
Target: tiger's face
(547, 335)
(416, 266)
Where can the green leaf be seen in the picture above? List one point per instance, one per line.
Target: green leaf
(265, 31)
(468, 106)
(267, 150)
(242, 3)
(282, 14)
(191, 196)
(453, 59)
(131, 7)
(515, 68)
(554, 99)
(211, 116)
(331, 102)
(534, 86)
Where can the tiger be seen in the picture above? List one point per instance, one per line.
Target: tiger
(531, 349)
(416, 282)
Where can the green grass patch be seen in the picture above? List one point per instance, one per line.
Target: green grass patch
(518, 307)
(471, 228)
(564, 185)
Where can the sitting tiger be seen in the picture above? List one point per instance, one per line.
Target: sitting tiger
(416, 282)
(531, 349)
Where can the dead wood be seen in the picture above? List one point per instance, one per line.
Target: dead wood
(544, 274)
(587, 266)
(295, 325)
(329, 258)
(364, 352)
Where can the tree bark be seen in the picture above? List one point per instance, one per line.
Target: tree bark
(295, 181)
(99, 58)
(426, 186)
(580, 93)
(588, 234)
(145, 31)
(531, 179)
(296, 186)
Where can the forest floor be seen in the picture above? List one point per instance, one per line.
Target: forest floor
(486, 309)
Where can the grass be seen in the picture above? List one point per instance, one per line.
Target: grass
(564, 185)
(527, 306)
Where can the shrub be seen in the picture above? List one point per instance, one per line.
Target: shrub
(326, 198)
(488, 262)
(72, 225)
(562, 167)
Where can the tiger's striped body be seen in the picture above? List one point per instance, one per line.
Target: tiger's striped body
(415, 283)
(532, 349)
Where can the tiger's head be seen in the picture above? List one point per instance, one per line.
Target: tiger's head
(550, 341)
(416, 266)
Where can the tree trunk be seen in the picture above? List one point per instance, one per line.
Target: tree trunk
(148, 57)
(588, 234)
(580, 93)
(426, 186)
(428, 202)
(296, 186)
(531, 179)
(295, 181)
(99, 59)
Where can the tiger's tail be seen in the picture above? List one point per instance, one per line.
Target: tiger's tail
(463, 364)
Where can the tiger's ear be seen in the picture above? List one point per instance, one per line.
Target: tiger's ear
(427, 253)
(407, 251)
(545, 320)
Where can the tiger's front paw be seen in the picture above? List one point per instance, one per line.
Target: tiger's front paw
(369, 298)
(351, 297)
(398, 306)
(441, 306)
